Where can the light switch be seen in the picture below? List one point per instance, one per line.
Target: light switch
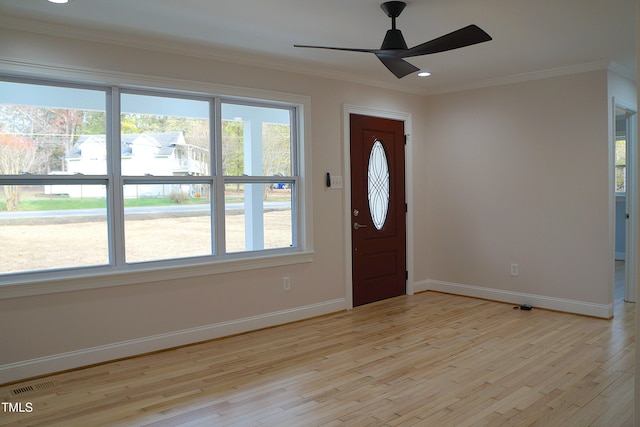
(336, 182)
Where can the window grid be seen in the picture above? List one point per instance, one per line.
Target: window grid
(115, 182)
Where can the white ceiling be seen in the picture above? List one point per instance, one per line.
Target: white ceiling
(530, 37)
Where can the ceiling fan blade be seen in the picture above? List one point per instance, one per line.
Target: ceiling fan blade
(347, 49)
(398, 66)
(466, 36)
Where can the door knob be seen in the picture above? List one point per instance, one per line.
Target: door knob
(357, 226)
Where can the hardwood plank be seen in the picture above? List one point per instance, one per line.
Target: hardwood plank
(429, 359)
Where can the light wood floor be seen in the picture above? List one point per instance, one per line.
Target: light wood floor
(430, 359)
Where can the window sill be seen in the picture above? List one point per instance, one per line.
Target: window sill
(85, 279)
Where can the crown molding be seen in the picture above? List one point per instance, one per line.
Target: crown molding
(221, 54)
(534, 75)
(623, 71)
(260, 60)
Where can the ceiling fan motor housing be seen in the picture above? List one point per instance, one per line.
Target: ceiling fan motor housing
(393, 40)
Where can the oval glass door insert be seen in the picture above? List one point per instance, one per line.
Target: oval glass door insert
(378, 174)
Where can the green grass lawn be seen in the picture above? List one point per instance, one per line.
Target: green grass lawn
(66, 203)
(54, 204)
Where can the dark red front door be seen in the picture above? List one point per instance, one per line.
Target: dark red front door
(378, 209)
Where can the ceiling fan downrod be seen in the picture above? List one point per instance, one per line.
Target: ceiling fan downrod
(393, 39)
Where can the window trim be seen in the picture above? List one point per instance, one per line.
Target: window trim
(40, 282)
(140, 273)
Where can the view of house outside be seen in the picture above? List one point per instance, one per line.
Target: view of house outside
(64, 224)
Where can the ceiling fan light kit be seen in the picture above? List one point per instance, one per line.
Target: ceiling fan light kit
(394, 49)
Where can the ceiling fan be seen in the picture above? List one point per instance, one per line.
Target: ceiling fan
(394, 49)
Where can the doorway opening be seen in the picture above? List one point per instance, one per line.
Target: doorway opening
(625, 154)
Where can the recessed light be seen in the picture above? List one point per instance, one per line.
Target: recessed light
(424, 74)
(58, 1)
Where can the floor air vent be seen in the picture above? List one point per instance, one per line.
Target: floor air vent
(33, 387)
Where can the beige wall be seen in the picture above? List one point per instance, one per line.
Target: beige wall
(510, 174)
(517, 174)
(78, 327)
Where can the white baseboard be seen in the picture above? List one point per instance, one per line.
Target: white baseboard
(89, 356)
(559, 304)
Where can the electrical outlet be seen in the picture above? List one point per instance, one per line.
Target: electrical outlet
(514, 269)
(286, 283)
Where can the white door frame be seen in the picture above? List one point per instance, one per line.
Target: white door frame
(346, 127)
(631, 224)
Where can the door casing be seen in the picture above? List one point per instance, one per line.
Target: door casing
(386, 114)
(631, 247)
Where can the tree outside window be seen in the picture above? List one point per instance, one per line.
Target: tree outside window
(621, 165)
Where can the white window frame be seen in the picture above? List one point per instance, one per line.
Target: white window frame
(119, 273)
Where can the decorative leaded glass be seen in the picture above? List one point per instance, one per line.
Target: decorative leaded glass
(378, 174)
